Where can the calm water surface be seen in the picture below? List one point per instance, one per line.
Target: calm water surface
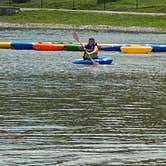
(53, 112)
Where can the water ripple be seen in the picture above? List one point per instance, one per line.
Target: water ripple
(53, 112)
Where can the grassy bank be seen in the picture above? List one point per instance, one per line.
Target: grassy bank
(61, 17)
(114, 5)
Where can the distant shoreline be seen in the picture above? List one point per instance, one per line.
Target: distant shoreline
(102, 28)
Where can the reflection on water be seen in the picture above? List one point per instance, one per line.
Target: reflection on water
(53, 112)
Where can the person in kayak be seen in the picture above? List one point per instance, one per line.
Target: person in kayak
(91, 49)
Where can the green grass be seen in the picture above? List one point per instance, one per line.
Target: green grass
(120, 5)
(60, 17)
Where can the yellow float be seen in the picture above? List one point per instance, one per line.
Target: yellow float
(5, 44)
(136, 49)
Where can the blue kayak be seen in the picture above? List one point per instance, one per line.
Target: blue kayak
(101, 60)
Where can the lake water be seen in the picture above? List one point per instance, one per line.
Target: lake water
(53, 112)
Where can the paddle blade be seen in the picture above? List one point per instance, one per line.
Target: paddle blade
(76, 37)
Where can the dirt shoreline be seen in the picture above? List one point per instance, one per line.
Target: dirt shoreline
(102, 28)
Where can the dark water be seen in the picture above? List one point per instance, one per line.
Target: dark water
(53, 112)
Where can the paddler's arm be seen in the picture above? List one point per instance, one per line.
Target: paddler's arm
(94, 51)
(83, 47)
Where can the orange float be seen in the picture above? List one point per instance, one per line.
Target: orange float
(42, 46)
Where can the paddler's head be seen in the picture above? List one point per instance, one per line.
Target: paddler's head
(91, 40)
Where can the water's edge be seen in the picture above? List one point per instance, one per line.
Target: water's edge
(103, 28)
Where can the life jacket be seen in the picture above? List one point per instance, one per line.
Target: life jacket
(90, 48)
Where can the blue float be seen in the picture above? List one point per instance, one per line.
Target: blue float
(112, 47)
(158, 48)
(100, 60)
(19, 45)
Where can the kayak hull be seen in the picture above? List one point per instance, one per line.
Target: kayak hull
(100, 60)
